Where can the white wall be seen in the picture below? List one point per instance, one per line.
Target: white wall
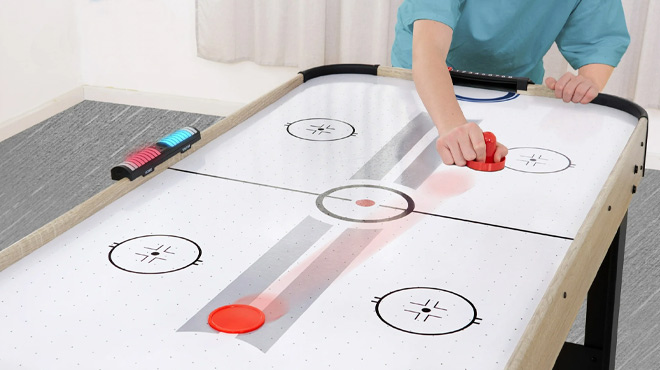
(653, 148)
(39, 54)
(49, 49)
(150, 46)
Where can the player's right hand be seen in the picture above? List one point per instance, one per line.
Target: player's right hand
(466, 143)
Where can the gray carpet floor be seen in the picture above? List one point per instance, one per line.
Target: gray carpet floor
(57, 164)
(638, 344)
(54, 166)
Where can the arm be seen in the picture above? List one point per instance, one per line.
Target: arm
(598, 73)
(459, 140)
(584, 87)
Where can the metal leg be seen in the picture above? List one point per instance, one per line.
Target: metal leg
(599, 349)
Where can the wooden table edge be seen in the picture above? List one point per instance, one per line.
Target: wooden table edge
(73, 217)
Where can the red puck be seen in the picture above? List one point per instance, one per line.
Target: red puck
(236, 319)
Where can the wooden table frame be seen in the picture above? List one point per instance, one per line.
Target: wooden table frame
(599, 349)
(587, 259)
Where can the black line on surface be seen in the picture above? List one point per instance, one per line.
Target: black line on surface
(254, 183)
(494, 225)
(484, 223)
(397, 208)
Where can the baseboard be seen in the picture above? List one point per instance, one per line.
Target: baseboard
(161, 101)
(117, 96)
(26, 120)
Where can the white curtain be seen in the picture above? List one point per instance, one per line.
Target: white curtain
(296, 33)
(308, 33)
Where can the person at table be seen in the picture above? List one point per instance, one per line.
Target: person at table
(507, 38)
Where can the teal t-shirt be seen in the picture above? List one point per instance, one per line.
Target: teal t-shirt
(510, 37)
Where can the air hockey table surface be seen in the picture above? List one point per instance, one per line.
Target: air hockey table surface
(327, 208)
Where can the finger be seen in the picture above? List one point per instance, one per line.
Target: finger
(444, 152)
(465, 143)
(569, 90)
(478, 144)
(550, 82)
(581, 90)
(559, 86)
(590, 95)
(456, 154)
(500, 152)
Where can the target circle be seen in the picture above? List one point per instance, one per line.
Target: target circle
(426, 311)
(320, 129)
(537, 160)
(155, 254)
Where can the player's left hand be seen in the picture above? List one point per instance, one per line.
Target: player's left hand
(572, 88)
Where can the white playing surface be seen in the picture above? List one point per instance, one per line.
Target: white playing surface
(327, 212)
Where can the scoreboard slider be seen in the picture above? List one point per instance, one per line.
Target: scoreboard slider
(489, 81)
(143, 162)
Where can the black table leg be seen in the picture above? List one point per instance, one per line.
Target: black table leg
(599, 349)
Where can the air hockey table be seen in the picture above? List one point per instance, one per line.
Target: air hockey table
(318, 228)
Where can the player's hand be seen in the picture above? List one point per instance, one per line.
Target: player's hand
(466, 143)
(572, 88)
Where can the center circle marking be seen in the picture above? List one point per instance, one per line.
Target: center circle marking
(410, 203)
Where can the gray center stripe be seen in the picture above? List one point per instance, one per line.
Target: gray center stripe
(261, 274)
(392, 153)
(316, 278)
(310, 284)
(421, 168)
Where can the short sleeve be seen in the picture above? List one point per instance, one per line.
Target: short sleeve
(595, 32)
(444, 11)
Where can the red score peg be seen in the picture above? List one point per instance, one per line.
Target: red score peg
(490, 165)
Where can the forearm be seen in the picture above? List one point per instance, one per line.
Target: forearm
(436, 90)
(458, 141)
(597, 73)
(432, 78)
